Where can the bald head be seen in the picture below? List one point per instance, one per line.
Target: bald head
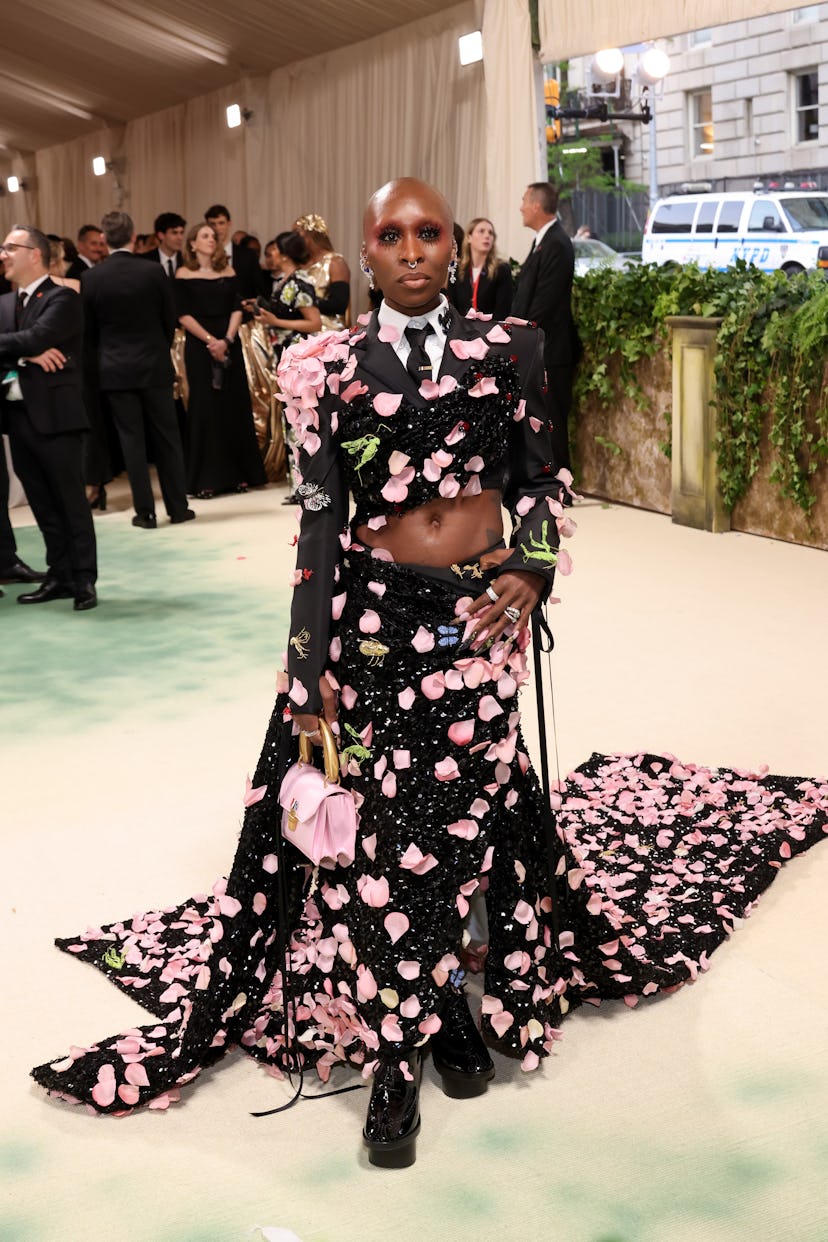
(411, 190)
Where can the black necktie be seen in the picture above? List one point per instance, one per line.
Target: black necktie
(170, 268)
(418, 363)
(18, 312)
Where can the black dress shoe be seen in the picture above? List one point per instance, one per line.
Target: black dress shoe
(85, 596)
(19, 571)
(393, 1120)
(186, 516)
(459, 1054)
(52, 589)
(147, 521)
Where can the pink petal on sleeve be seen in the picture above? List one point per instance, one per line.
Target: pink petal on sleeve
(373, 892)
(406, 698)
(423, 640)
(489, 707)
(461, 732)
(298, 693)
(397, 462)
(388, 334)
(497, 336)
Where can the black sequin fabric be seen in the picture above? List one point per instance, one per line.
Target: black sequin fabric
(439, 440)
(657, 859)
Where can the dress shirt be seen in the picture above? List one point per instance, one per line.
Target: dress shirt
(435, 342)
(542, 231)
(166, 260)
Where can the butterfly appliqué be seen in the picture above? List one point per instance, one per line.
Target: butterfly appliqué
(313, 496)
(449, 635)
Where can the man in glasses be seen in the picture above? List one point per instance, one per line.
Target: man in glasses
(41, 338)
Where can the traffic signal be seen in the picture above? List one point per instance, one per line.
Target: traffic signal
(552, 99)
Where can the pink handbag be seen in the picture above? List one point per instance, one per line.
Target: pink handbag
(319, 817)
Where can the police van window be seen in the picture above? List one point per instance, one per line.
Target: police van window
(706, 216)
(764, 217)
(729, 216)
(807, 213)
(676, 217)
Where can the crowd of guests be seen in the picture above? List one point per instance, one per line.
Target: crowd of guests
(169, 338)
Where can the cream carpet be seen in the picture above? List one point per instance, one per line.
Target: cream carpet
(126, 736)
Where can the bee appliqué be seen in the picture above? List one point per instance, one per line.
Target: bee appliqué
(313, 496)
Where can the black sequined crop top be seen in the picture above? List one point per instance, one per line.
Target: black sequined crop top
(363, 427)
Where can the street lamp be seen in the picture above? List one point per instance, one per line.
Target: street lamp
(653, 67)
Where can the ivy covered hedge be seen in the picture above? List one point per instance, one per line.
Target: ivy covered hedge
(770, 375)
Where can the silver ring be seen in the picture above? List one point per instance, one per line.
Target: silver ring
(492, 594)
(513, 614)
(410, 264)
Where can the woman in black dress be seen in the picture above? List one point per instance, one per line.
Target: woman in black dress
(222, 453)
(484, 281)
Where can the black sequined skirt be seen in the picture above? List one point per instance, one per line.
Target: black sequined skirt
(656, 860)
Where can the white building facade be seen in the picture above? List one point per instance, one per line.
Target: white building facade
(745, 102)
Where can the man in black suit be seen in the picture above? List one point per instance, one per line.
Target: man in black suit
(41, 338)
(544, 296)
(169, 236)
(91, 250)
(243, 260)
(130, 321)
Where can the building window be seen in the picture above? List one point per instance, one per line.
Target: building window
(697, 38)
(701, 124)
(806, 106)
(807, 13)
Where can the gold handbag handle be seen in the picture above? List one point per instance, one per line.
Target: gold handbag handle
(329, 751)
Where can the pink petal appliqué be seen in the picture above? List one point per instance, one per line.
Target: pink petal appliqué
(396, 924)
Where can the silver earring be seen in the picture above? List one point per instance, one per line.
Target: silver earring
(452, 269)
(366, 269)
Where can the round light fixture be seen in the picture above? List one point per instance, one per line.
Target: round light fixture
(609, 61)
(655, 64)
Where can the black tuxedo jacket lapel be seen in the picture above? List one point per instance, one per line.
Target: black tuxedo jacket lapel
(458, 328)
(36, 302)
(379, 366)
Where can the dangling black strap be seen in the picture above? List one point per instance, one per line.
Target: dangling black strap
(294, 1056)
(541, 634)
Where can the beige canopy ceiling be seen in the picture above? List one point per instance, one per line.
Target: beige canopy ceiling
(69, 67)
(580, 27)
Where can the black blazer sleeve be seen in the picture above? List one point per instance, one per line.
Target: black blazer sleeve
(502, 291)
(59, 320)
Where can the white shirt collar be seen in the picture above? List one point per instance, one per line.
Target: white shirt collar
(29, 290)
(435, 342)
(388, 317)
(543, 230)
(84, 259)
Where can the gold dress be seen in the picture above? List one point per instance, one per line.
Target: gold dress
(319, 275)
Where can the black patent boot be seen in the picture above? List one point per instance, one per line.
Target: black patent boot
(459, 1054)
(393, 1120)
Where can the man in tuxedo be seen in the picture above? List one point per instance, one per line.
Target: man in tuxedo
(242, 259)
(41, 338)
(544, 296)
(169, 236)
(91, 250)
(130, 321)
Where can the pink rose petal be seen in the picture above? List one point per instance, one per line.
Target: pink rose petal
(396, 924)
(369, 622)
(423, 640)
(373, 892)
(129, 1094)
(461, 732)
(465, 828)
(489, 707)
(406, 698)
(500, 1023)
(446, 769)
(388, 334)
(430, 1025)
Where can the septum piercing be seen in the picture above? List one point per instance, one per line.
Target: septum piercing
(410, 264)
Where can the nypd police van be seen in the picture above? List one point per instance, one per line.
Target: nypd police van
(772, 230)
